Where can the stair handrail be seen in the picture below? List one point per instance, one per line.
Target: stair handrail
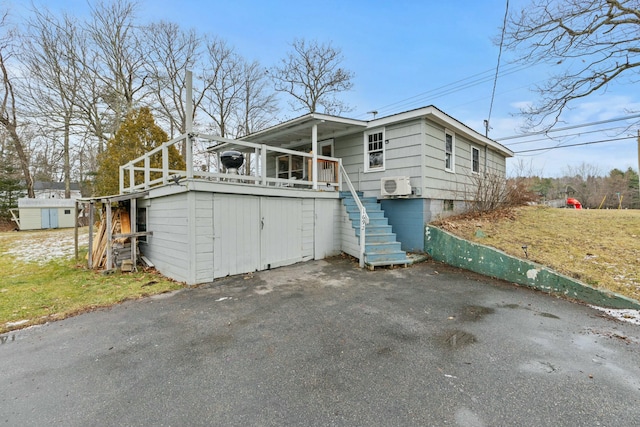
(364, 218)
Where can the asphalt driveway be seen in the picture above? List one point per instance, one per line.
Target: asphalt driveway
(324, 343)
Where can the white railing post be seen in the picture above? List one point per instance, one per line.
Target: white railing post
(165, 164)
(263, 164)
(121, 179)
(132, 177)
(147, 172)
(364, 218)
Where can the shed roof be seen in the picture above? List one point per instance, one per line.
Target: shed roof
(46, 203)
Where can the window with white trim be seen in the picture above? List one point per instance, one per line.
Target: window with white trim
(475, 160)
(449, 151)
(374, 150)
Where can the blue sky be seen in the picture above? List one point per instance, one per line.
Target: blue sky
(408, 54)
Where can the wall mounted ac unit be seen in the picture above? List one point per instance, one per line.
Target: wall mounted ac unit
(395, 186)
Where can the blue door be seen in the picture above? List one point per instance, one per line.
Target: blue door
(49, 218)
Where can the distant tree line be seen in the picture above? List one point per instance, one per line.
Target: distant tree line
(617, 189)
(67, 84)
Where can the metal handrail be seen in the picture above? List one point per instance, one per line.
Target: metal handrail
(364, 218)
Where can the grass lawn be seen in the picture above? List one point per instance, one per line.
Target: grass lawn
(598, 247)
(41, 281)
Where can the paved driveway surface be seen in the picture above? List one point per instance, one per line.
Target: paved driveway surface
(322, 344)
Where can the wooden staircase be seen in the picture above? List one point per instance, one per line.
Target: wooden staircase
(381, 247)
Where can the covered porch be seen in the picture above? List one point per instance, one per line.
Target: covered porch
(297, 154)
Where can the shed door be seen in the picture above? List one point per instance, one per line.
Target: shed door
(281, 234)
(49, 218)
(236, 234)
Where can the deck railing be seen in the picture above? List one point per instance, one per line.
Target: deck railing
(138, 174)
(364, 218)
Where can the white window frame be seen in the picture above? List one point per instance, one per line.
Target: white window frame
(475, 168)
(450, 157)
(382, 142)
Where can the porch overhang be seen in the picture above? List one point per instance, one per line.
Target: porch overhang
(298, 131)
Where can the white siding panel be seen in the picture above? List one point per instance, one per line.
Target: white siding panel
(236, 234)
(326, 228)
(308, 227)
(204, 238)
(168, 246)
(282, 231)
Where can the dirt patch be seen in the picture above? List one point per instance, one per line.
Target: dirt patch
(7, 225)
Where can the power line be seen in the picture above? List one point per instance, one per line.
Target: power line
(495, 79)
(449, 88)
(574, 145)
(618, 128)
(544, 132)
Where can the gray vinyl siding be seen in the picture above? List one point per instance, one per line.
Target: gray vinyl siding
(168, 247)
(350, 243)
(326, 229)
(199, 236)
(204, 238)
(308, 228)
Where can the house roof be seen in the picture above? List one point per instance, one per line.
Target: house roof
(297, 131)
(47, 185)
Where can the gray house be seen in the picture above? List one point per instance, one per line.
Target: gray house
(309, 188)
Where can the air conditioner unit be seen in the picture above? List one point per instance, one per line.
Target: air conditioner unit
(395, 186)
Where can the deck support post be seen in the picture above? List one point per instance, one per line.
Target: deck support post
(314, 152)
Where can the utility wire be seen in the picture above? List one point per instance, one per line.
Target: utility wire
(543, 132)
(495, 79)
(448, 89)
(619, 129)
(575, 145)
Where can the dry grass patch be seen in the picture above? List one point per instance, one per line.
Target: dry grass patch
(598, 247)
(41, 281)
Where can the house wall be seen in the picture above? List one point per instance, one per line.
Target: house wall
(199, 236)
(168, 247)
(437, 192)
(407, 217)
(402, 157)
(407, 146)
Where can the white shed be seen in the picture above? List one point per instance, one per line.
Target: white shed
(37, 214)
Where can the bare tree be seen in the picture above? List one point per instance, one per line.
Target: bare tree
(8, 107)
(223, 78)
(115, 65)
(171, 52)
(54, 78)
(592, 42)
(258, 106)
(583, 182)
(312, 75)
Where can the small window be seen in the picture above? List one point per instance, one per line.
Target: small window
(475, 160)
(448, 205)
(374, 150)
(141, 222)
(449, 148)
(67, 211)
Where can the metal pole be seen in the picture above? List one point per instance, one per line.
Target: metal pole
(189, 125)
(639, 167)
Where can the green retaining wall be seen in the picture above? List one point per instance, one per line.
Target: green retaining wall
(445, 247)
